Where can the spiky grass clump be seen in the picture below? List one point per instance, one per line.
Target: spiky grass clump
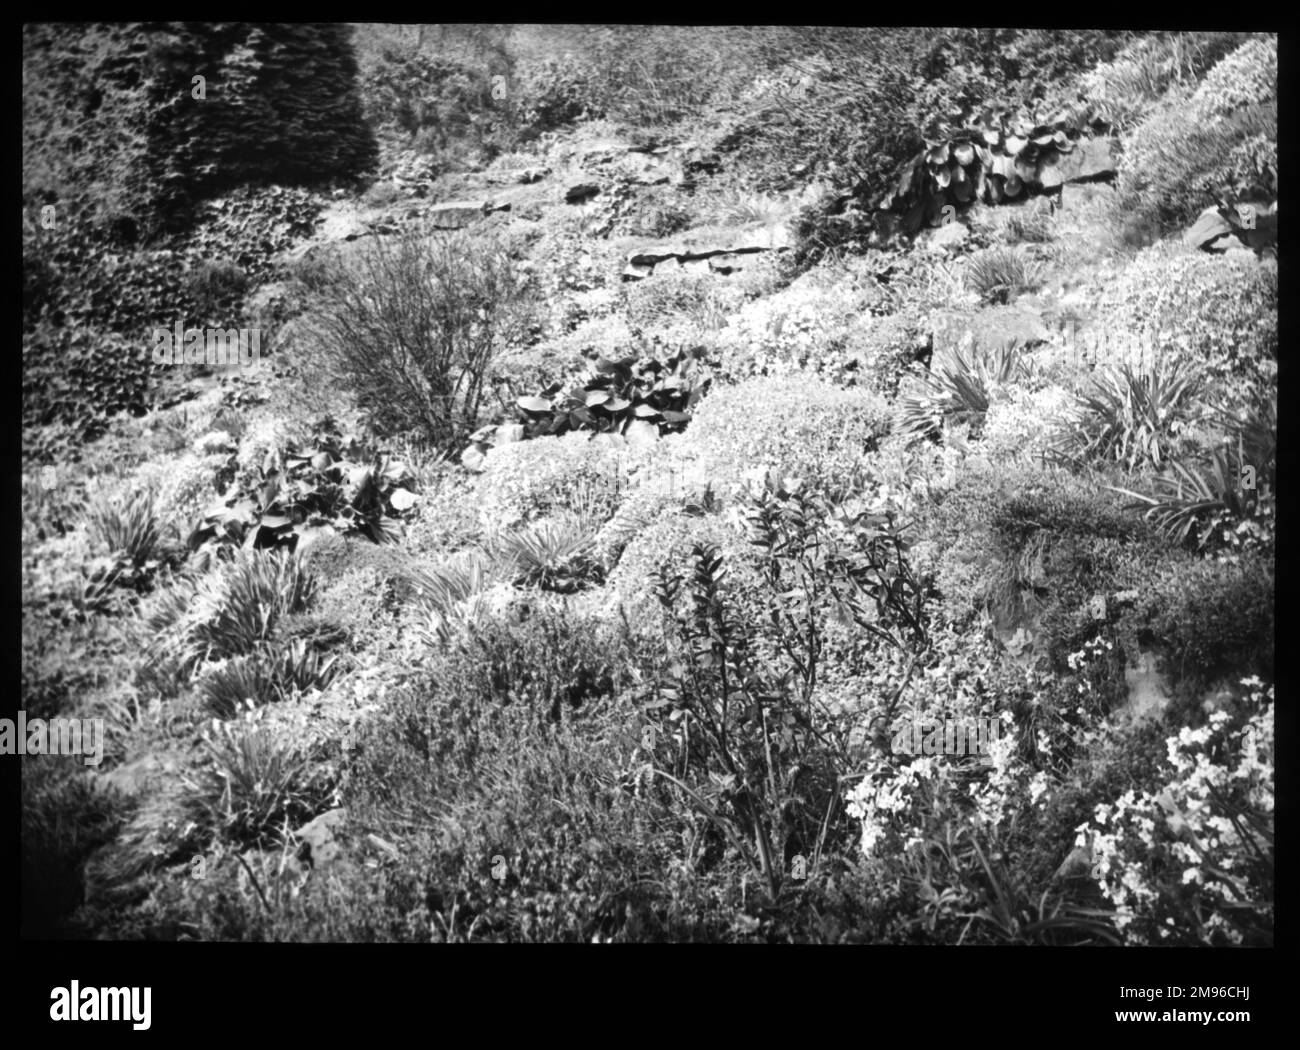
(255, 784)
(556, 554)
(998, 275)
(127, 526)
(1133, 416)
(958, 392)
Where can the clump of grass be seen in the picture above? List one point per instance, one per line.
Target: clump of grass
(998, 275)
(739, 208)
(255, 785)
(1032, 225)
(1131, 416)
(555, 554)
(128, 526)
(266, 676)
(957, 392)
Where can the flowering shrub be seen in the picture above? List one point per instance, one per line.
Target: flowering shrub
(1220, 313)
(879, 351)
(796, 424)
(186, 486)
(523, 480)
(670, 539)
(1022, 423)
(1192, 861)
(802, 327)
(1246, 76)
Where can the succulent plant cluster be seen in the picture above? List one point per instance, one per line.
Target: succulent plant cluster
(630, 396)
(990, 164)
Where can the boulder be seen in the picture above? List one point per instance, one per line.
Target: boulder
(133, 778)
(722, 257)
(581, 192)
(1148, 689)
(1090, 159)
(456, 215)
(1209, 227)
(989, 329)
(947, 236)
(317, 837)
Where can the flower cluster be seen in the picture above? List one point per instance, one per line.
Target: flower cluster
(1211, 825)
(800, 328)
(524, 480)
(796, 424)
(1220, 312)
(1022, 422)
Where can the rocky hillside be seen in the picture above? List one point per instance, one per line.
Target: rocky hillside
(833, 502)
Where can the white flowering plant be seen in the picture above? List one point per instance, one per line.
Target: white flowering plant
(1191, 862)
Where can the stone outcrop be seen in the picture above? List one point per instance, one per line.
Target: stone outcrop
(1252, 223)
(581, 192)
(989, 329)
(724, 257)
(456, 215)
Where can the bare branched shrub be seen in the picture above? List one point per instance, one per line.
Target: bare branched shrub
(413, 325)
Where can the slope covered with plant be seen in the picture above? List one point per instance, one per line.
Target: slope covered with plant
(670, 427)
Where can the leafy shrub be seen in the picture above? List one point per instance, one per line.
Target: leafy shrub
(1124, 89)
(332, 480)
(1244, 77)
(644, 76)
(1006, 533)
(752, 750)
(797, 424)
(414, 327)
(1213, 618)
(824, 227)
(418, 92)
(1221, 314)
(998, 275)
(551, 658)
(66, 815)
(524, 480)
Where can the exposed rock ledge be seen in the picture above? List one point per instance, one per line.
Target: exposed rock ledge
(721, 258)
